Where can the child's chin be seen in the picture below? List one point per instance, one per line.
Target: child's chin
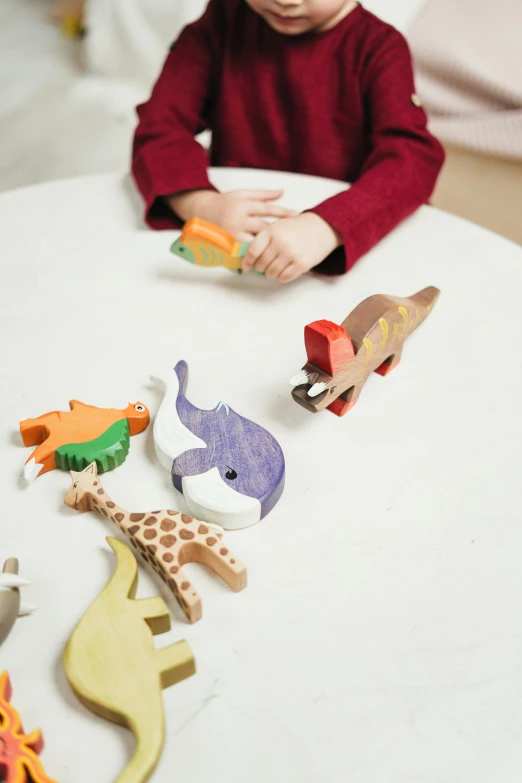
(288, 29)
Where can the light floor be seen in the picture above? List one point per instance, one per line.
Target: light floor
(54, 124)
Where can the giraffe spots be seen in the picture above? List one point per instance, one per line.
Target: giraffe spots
(150, 521)
(100, 492)
(110, 504)
(133, 530)
(95, 501)
(186, 519)
(186, 535)
(167, 525)
(134, 544)
(118, 517)
(141, 545)
(167, 557)
(155, 512)
(152, 548)
(183, 603)
(185, 585)
(162, 576)
(172, 513)
(223, 551)
(150, 534)
(173, 586)
(232, 561)
(202, 529)
(102, 510)
(211, 541)
(95, 483)
(168, 541)
(136, 517)
(174, 569)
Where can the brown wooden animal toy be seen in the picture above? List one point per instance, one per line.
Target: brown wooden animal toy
(340, 358)
(165, 539)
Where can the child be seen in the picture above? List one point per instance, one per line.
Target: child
(314, 86)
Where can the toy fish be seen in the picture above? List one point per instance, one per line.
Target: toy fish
(114, 669)
(72, 440)
(205, 244)
(230, 470)
(10, 605)
(19, 762)
(370, 339)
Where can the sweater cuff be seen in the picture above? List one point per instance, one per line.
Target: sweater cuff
(158, 181)
(344, 257)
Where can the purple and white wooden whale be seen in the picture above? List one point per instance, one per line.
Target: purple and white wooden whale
(230, 470)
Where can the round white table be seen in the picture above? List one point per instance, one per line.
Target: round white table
(380, 637)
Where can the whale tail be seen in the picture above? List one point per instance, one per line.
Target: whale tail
(181, 370)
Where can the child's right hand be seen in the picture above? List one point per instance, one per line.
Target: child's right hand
(239, 212)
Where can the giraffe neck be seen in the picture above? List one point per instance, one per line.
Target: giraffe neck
(100, 501)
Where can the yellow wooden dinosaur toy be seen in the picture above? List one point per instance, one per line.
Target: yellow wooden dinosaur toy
(114, 669)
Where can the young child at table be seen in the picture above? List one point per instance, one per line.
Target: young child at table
(312, 86)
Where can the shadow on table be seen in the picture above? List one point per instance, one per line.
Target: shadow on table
(252, 286)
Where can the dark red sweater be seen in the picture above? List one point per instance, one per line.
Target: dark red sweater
(337, 104)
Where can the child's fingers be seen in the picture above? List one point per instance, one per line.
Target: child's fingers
(277, 267)
(291, 272)
(257, 247)
(266, 259)
(257, 195)
(270, 210)
(255, 226)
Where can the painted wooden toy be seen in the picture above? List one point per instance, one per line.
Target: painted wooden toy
(10, 605)
(19, 762)
(340, 358)
(205, 244)
(230, 470)
(165, 539)
(114, 669)
(73, 439)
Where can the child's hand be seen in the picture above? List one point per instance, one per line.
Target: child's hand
(239, 212)
(288, 248)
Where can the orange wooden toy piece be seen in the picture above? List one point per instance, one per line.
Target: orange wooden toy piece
(73, 439)
(19, 762)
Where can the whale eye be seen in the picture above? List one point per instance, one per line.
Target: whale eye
(139, 408)
(231, 474)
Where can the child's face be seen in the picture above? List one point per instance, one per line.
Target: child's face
(294, 17)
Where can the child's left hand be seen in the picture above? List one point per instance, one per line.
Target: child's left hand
(287, 249)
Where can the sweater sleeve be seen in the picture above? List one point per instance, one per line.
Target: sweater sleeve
(401, 169)
(166, 158)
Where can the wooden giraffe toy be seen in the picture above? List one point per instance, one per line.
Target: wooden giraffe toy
(340, 358)
(73, 439)
(10, 605)
(19, 762)
(114, 668)
(165, 539)
(205, 244)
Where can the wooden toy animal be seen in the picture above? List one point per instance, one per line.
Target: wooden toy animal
(10, 605)
(206, 244)
(340, 358)
(165, 539)
(230, 470)
(72, 440)
(114, 669)
(19, 762)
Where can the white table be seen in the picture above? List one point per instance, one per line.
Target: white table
(380, 637)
